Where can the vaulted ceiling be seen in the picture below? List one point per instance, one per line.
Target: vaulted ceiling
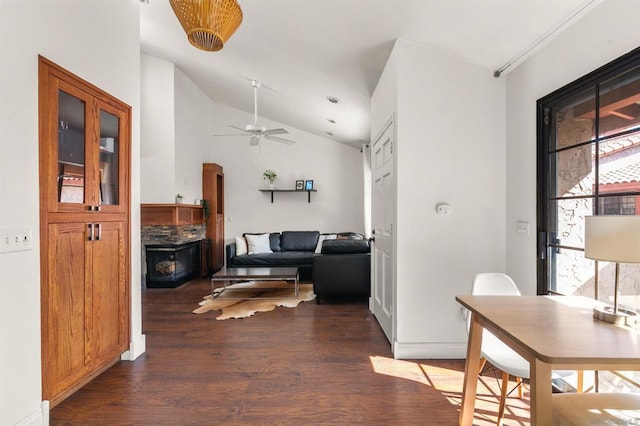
(303, 51)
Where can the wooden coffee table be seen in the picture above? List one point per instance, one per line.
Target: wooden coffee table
(230, 275)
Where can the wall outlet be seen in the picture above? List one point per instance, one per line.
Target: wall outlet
(15, 239)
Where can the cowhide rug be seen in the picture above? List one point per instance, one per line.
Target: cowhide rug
(260, 300)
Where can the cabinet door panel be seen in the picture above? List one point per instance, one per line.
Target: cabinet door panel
(218, 244)
(65, 308)
(109, 292)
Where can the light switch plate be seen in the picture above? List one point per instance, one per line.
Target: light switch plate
(523, 229)
(15, 239)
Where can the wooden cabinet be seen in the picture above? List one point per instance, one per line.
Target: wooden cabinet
(170, 214)
(84, 230)
(213, 193)
(85, 331)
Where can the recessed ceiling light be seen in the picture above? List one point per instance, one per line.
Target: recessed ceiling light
(330, 134)
(332, 121)
(333, 99)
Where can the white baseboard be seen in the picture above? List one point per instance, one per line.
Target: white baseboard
(37, 418)
(429, 350)
(137, 347)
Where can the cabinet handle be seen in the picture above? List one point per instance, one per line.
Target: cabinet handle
(91, 231)
(99, 231)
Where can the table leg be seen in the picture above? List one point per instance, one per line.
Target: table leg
(471, 369)
(540, 388)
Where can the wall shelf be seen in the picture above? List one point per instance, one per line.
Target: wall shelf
(308, 191)
(170, 214)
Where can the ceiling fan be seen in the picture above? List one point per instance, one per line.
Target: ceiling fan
(255, 131)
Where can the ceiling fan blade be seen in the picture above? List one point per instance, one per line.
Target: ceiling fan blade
(231, 134)
(275, 132)
(238, 128)
(275, 138)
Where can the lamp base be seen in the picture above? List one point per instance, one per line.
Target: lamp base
(622, 317)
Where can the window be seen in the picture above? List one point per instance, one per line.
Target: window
(589, 164)
(618, 205)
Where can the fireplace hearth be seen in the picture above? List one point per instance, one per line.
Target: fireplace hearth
(171, 265)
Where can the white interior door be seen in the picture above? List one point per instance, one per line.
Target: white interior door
(383, 217)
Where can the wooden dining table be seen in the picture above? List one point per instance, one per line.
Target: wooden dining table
(552, 333)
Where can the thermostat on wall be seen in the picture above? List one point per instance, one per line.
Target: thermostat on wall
(444, 209)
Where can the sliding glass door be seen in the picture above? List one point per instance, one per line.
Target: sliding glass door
(588, 164)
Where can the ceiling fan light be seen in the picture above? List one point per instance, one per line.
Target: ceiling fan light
(254, 140)
(208, 23)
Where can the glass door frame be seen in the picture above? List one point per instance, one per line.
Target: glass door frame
(546, 180)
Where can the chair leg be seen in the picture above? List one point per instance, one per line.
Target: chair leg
(483, 361)
(503, 396)
(580, 384)
(519, 381)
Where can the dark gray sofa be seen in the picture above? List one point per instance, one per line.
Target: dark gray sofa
(343, 269)
(290, 248)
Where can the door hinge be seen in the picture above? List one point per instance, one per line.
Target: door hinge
(547, 112)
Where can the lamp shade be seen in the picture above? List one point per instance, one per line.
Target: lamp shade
(208, 23)
(612, 238)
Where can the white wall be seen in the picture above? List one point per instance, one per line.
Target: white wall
(335, 168)
(607, 32)
(99, 41)
(193, 130)
(190, 119)
(157, 130)
(450, 148)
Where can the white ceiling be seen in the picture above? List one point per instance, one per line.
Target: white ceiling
(305, 50)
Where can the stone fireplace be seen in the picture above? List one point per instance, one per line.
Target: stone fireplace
(173, 244)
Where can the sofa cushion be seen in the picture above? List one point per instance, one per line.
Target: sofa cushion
(299, 240)
(345, 246)
(290, 258)
(257, 244)
(241, 245)
(274, 239)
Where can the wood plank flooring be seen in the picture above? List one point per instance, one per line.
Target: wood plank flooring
(312, 365)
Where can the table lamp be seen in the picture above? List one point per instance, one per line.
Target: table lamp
(613, 239)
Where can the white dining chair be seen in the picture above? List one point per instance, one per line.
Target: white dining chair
(493, 350)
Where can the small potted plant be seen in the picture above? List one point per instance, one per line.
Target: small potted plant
(271, 176)
(178, 199)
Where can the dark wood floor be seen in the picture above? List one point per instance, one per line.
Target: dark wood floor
(314, 364)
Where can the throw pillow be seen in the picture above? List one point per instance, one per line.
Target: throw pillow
(241, 246)
(258, 243)
(321, 240)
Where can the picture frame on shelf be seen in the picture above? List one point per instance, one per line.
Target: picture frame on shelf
(308, 185)
(299, 185)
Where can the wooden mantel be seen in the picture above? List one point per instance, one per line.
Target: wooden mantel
(171, 214)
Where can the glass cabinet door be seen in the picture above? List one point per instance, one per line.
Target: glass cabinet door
(71, 149)
(108, 152)
(111, 155)
(89, 154)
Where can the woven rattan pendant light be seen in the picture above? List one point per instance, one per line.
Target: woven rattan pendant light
(208, 23)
